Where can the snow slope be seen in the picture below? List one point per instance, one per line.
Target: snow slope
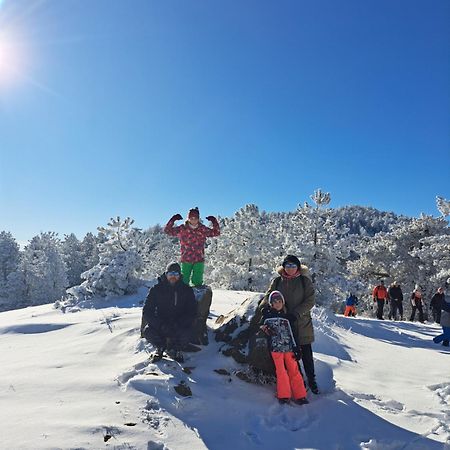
(82, 380)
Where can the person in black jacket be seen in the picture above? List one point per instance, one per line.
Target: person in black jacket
(396, 298)
(169, 313)
(435, 304)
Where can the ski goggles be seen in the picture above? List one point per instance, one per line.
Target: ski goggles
(290, 266)
(173, 274)
(276, 300)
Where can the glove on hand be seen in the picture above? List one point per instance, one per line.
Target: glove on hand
(211, 219)
(176, 217)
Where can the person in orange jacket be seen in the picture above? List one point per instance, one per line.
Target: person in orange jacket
(380, 297)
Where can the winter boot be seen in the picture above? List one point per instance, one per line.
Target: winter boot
(283, 401)
(158, 355)
(313, 386)
(301, 401)
(178, 356)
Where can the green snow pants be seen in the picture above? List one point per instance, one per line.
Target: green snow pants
(194, 269)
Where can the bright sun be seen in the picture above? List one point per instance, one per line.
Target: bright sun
(9, 60)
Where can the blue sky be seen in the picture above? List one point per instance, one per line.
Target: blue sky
(146, 108)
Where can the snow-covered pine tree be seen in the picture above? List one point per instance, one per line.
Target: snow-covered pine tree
(321, 244)
(89, 251)
(443, 206)
(9, 263)
(158, 251)
(43, 270)
(119, 267)
(244, 255)
(73, 257)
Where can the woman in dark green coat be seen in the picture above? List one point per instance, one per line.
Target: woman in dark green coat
(299, 295)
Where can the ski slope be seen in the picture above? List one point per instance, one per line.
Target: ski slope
(82, 380)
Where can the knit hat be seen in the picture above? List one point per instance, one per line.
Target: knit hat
(173, 267)
(291, 259)
(194, 212)
(275, 295)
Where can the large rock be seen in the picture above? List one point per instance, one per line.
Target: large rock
(203, 295)
(245, 343)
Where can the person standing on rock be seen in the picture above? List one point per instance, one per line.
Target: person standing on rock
(169, 313)
(299, 295)
(380, 297)
(192, 235)
(276, 324)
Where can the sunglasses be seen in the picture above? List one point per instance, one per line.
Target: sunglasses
(173, 274)
(290, 266)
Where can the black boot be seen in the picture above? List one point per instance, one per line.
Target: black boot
(283, 401)
(313, 386)
(301, 401)
(158, 355)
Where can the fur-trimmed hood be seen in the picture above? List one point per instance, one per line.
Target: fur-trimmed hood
(304, 270)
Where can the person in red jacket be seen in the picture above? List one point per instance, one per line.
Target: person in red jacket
(192, 235)
(380, 297)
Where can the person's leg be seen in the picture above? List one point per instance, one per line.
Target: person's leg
(400, 309)
(413, 313)
(347, 311)
(438, 316)
(186, 270)
(197, 273)
(420, 308)
(380, 305)
(154, 335)
(283, 385)
(353, 312)
(295, 378)
(308, 361)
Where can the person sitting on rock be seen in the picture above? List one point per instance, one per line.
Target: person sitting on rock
(169, 313)
(276, 323)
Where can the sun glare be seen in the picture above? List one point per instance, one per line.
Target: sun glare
(9, 60)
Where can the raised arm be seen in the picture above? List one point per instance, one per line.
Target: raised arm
(170, 229)
(215, 230)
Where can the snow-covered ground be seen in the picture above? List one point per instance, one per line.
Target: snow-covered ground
(82, 380)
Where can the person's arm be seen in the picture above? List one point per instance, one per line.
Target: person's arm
(215, 230)
(375, 293)
(149, 311)
(170, 227)
(309, 299)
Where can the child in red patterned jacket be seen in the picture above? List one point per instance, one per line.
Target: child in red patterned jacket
(192, 235)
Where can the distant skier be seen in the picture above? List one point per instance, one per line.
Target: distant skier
(276, 323)
(417, 304)
(298, 292)
(396, 299)
(350, 305)
(169, 313)
(192, 235)
(443, 304)
(380, 297)
(435, 303)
